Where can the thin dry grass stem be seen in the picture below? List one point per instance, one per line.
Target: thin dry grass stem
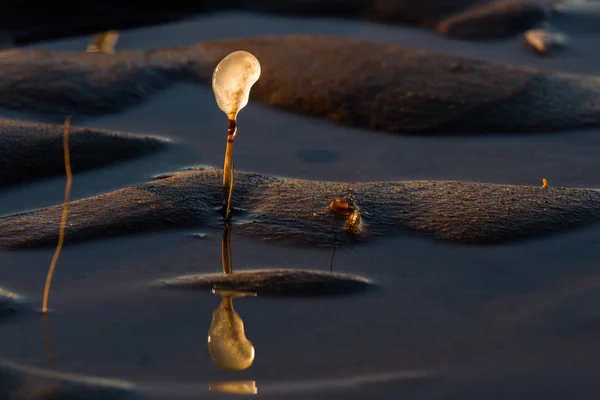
(226, 249)
(228, 169)
(63, 222)
(332, 257)
(232, 180)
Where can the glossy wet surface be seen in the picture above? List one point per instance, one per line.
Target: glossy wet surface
(518, 320)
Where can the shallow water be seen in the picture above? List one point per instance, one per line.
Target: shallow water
(457, 312)
(518, 320)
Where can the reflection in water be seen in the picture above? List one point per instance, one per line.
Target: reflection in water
(103, 42)
(227, 343)
(48, 343)
(226, 249)
(235, 387)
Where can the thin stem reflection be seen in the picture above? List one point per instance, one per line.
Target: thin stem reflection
(226, 249)
(228, 346)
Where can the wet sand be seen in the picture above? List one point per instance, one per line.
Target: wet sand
(299, 212)
(395, 89)
(517, 320)
(30, 152)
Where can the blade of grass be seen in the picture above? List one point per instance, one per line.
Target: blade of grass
(63, 221)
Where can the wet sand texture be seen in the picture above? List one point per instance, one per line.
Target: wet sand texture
(273, 282)
(398, 89)
(24, 23)
(31, 151)
(19, 382)
(393, 89)
(297, 211)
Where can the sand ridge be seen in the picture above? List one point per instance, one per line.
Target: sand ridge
(297, 211)
(31, 151)
(394, 89)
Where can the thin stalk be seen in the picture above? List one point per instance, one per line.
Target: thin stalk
(63, 221)
(228, 169)
(226, 249)
(232, 180)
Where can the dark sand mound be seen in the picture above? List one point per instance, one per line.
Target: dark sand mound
(20, 382)
(393, 89)
(32, 151)
(397, 89)
(274, 282)
(297, 211)
(24, 23)
(68, 83)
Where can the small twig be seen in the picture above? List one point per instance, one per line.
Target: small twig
(63, 222)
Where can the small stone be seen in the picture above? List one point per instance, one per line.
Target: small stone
(545, 41)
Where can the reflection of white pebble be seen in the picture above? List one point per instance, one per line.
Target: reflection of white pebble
(545, 41)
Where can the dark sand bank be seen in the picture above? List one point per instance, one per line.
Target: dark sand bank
(395, 89)
(273, 282)
(297, 211)
(31, 151)
(20, 382)
(23, 22)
